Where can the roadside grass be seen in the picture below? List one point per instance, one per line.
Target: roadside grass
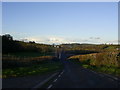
(0, 73)
(13, 62)
(28, 54)
(32, 70)
(103, 69)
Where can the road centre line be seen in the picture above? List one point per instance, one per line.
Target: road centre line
(61, 72)
(43, 82)
(59, 76)
(55, 80)
(49, 86)
(110, 79)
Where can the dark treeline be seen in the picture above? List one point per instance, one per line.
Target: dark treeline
(10, 46)
(80, 52)
(90, 47)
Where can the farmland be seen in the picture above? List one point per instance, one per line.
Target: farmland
(29, 58)
(106, 60)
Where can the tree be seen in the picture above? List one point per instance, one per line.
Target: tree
(31, 42)
(7, 37)
(7, 43)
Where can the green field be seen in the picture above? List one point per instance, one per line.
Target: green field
(28, 54)
(86, 63)
(32, 70)
(21, 58)
(103, 69)
(29, 63)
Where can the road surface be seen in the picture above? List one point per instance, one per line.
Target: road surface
(25, 82)
(74, 76)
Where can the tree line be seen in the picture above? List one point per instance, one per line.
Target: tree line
(9, 45)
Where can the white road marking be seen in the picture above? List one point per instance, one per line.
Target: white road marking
(94, 72)
(50, 86)
(115, 78)
(43, 82)
(62, 72)
(110, 79)
(55, 80)
(111, 76)
(59, 76)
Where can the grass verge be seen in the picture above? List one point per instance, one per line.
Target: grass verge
(28, 54)
(32, 70)
(103, 69)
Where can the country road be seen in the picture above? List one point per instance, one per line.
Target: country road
(74, 76)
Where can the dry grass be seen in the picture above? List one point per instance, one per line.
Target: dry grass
(11, 61)
(106, 58)
(107, 62)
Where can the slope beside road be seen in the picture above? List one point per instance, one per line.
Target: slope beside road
(74, 76)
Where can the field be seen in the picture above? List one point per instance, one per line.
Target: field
(23, 66)
(27, 58)
(100, 62)
(32, 70)
(28, 54)
(16, 66)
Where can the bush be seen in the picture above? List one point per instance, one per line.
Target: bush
(12, 62)
(98, 59)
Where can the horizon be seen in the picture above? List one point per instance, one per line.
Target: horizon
(26, 41)
(63, 22)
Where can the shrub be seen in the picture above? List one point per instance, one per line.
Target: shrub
(11, 62)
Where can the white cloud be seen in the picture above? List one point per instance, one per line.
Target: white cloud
(37, 39)
(113, 42)
(60, 40)
(47, 40)
(94, 38)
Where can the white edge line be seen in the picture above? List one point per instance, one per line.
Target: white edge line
(55, 80)
(41, 83)
(61, 72)
(103, 75)
(59, 76)
(115, 78)
(111, 79)
(49, 86)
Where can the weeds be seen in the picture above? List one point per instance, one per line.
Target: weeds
(101, 62)
(32, 70)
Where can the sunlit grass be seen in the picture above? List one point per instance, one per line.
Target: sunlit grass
(86, 63)
(33, 70)
(0, 73)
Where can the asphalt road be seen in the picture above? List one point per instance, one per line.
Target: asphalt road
(74, 76)
(25, 82)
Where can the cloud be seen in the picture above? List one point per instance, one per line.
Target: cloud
(113, 41)
(47, 40)
(60, 40)
(56, 40)
(95, 38)
(25, 40)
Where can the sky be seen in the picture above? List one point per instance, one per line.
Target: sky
(61, 22)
